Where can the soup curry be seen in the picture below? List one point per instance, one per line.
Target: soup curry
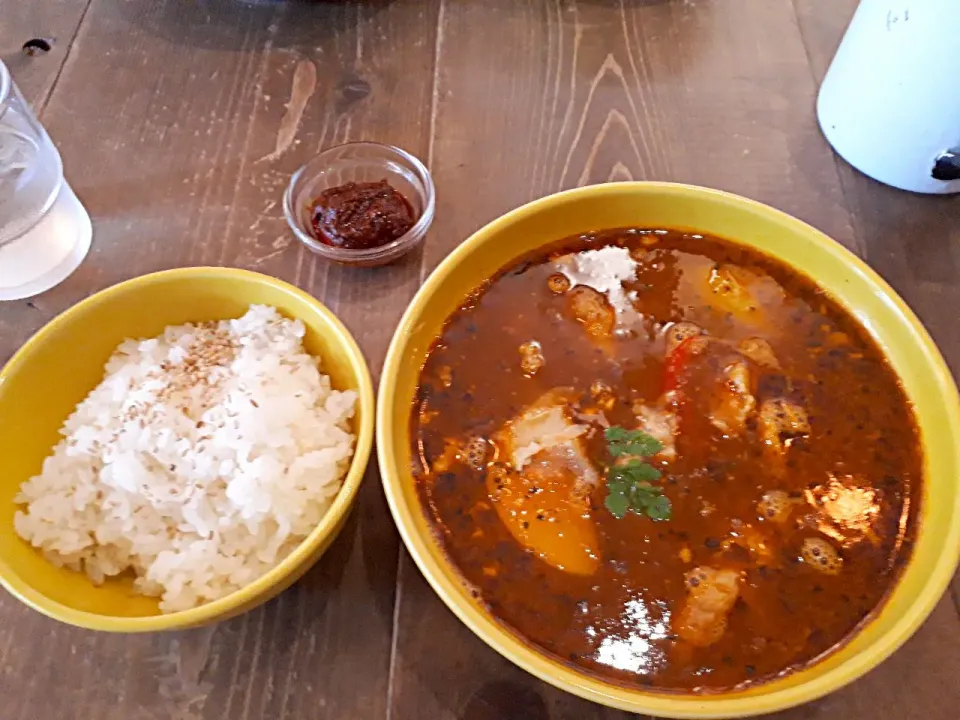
(666, 459)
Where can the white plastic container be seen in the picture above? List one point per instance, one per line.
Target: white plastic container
(890, 102)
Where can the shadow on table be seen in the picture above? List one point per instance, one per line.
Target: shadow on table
(369, 531)
(228, 24)
(504, 700)
(630, 3)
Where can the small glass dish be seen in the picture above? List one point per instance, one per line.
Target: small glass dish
(360, 162)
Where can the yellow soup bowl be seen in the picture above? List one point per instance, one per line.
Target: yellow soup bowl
(848, 280)
(64, 361)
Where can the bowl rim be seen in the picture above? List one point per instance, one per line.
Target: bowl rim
(328, 525)
(511, 645)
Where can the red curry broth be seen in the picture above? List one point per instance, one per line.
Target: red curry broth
(846, 484)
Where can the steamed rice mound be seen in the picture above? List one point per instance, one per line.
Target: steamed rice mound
(200, 461)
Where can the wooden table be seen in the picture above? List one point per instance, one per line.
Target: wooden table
(180, 122)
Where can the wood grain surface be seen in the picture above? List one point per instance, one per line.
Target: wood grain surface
(180, 122)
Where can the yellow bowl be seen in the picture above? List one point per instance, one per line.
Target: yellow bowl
(913, 355)
(59, 365)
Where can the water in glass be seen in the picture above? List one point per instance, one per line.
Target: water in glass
(44, 230)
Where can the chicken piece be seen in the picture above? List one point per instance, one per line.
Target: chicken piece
(558, 283)
(571, 456)
(847, 510)
(475, 453)
(821, 555)
(543, 499)
(731, 402)
(591, 308)
(604, 271)
(779, 420)
(452, 453)
(546, 425)
(760, 351)
(740, 293)
(730, 290)
(754, 542)
(775, 506)
(711, 595)
(676, 333)
(603, 395)
(660, 421)
(531, 358)
(593, 416)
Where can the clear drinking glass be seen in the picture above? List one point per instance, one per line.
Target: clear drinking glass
(44, 230)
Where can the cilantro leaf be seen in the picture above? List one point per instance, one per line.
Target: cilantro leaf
(639, 472)
(617, 503)
(617, 484)
(660, 508)
(631, 442)
(631, 481)
(616, 433)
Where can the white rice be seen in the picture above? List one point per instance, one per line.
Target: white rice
(199, 462)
